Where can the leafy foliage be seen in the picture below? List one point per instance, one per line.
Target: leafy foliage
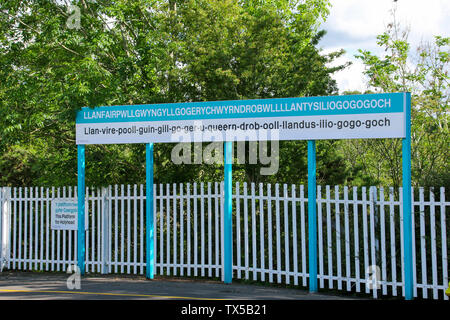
(426, 76)
(147, 51)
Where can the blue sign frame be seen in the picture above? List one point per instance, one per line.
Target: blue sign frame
(293, 107)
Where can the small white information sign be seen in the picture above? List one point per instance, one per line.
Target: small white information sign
(65, 215)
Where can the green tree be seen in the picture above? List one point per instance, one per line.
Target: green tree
(425, 75)
(138, 52)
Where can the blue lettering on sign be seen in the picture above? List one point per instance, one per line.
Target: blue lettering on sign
(261, 108)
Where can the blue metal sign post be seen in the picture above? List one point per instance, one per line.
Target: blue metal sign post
(81, 209)
(228, 211)
(312, 216)
(149, 216)
(407, 223)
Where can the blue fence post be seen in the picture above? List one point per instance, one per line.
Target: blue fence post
(312, 216)
(150, 232)
(228, 209)
(407, 223)
(81, 208)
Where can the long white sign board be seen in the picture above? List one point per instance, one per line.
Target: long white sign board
(310, 118)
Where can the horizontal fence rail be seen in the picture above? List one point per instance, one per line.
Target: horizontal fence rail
(360, 234)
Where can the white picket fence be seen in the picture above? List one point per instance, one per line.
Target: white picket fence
(360, 234)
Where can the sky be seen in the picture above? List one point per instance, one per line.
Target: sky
(355, 24)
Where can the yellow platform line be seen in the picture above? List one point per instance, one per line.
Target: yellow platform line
(108, 294)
